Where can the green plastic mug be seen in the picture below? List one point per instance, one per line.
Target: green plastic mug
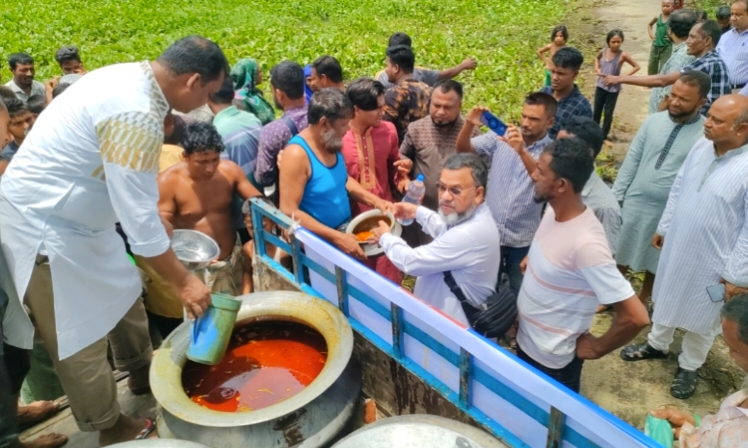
(211, 333)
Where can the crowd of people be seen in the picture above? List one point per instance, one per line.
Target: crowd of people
(91, 174)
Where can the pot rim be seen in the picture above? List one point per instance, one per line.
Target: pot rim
(169, 359)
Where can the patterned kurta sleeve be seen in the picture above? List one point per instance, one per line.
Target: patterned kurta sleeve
(736, 271)
(667, 215)
(408, 148)
(392, 156)
(631, 163)
(130, 146)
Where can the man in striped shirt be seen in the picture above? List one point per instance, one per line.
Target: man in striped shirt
(509, 192)
(705, 238)
(733, 45)
(569, 272)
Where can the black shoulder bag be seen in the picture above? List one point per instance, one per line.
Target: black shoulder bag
(495, 317)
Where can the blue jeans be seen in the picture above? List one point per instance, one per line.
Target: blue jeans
(511, 257)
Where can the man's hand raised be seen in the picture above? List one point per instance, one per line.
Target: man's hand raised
(474, 116)
(513, 138)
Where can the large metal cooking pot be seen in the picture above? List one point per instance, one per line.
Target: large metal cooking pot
(311, 418)
(417, 431)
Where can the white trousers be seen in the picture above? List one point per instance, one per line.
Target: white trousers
(695, 346)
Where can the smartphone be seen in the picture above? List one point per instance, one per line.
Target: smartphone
(716, 292)
(493, 123)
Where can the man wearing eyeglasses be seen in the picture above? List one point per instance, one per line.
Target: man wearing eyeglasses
(465, 239)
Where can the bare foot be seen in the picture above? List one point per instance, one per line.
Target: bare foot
(46, 441)
(36, 411)
(126, 429)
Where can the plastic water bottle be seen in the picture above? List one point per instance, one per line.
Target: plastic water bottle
(414, 195)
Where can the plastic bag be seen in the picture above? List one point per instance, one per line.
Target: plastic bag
(659, 430)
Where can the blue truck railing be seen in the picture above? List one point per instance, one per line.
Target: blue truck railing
(511, 399)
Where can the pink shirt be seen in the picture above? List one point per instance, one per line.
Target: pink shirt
(369, 158)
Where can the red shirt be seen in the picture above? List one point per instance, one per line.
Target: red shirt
(369, 159)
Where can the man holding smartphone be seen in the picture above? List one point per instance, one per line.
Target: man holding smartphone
(703, 234)
(510, 188)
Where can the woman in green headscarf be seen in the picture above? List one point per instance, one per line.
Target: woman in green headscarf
(246, 75)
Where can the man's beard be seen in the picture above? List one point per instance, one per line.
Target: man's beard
(455, 218)
(540, 199)
(333, 143)
(680, 115)
(443, 125)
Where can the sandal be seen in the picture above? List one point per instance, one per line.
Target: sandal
(684, 384)
(640, 352)
(150, 426)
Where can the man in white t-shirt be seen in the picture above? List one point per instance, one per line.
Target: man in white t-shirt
(569, 271)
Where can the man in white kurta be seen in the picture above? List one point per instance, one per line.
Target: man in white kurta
(466, 240)
(705, 233)
(91, 161)
(652, 162)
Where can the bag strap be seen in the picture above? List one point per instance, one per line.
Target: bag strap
(470, 310)
(291, 125)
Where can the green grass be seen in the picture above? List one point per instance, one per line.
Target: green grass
(503, 35)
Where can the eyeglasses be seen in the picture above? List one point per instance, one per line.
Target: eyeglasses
(454, 191)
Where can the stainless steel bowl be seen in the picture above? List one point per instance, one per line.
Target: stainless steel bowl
(194, 249)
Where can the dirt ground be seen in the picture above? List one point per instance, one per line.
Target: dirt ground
(630, 390)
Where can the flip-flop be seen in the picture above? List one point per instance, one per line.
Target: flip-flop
(640, 352)
(684, 383)
(150, 426)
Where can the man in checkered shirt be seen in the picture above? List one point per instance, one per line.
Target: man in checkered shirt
(702, 43)
(571, 102)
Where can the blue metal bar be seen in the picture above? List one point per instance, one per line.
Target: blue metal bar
(431, 343)
(466, 370)
(275, 241)
(398, 338)
(272, 213)
(342, 285)
(296, 256)
(256, 216)
(491, 425)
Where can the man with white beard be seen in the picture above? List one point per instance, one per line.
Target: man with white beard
(465, 244)
(316, 186)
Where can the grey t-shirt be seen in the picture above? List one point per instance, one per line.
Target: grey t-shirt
(421, 74)
(598, 196)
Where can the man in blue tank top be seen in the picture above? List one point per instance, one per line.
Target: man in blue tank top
(315, 184)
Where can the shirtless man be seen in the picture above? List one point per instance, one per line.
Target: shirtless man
(197, 194)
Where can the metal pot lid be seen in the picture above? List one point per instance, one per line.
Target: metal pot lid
(158, 443)
(417, 431)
